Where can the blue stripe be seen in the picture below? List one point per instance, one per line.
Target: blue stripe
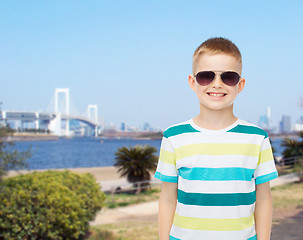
(252, 238)
(266, 178)
(165, 178)
(173, 238)
(249, 130)
(217, 174)
(212, 199)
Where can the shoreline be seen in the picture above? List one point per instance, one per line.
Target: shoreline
(18, 137)
(100, 173)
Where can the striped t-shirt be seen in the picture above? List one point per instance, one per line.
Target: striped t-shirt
(216, 172)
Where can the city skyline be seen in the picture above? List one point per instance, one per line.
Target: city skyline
(134, 64)
(264, 122)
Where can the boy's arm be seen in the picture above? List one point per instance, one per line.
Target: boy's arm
(167, 207)
(263, 211)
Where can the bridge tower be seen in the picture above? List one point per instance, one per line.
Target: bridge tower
(58, 110)
(92, 114)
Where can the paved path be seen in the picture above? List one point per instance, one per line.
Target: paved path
(150, 209)
(289, 228)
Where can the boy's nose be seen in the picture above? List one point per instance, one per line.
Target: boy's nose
(217, 82)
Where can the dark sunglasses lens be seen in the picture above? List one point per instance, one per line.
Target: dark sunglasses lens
(205, 78)
(230, 78)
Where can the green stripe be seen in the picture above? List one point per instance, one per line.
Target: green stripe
(253, 238)
(221, 199)
(176, 130)
(249, 130)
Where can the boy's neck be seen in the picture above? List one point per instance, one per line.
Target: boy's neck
(215, 119)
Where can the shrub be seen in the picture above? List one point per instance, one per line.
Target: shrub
(48, 205)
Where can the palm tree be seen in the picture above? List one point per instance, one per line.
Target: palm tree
(135, 163)
(291, 148)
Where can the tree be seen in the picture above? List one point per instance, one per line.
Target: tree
(10, 159)
(135, 163)
(293, 148)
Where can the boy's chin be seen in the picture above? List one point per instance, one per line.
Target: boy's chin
(217, 107)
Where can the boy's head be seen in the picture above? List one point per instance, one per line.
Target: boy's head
(216, 79)
(215, 46)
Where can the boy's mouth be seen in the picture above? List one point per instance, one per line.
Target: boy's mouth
(216, 95)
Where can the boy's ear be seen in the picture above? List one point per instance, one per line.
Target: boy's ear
(192, 82)
(241, 85)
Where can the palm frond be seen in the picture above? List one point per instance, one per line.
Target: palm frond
(136, 162)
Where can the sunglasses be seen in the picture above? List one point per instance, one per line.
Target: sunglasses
(206, 77)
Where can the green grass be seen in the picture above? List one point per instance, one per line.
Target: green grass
(289, 196)
(132, 230)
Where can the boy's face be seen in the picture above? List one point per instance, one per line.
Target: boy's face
(216, 95)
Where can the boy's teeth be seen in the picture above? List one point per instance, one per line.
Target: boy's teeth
(216, 94)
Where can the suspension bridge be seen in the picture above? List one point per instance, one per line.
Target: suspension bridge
(59, 120)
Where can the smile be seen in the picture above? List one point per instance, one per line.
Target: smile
(212, 94)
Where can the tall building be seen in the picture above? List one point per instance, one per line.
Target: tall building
(265, 120)
(285, 124)
(123, 126)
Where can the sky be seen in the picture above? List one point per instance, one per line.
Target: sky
(133, 58)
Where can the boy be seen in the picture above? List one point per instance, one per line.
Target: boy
(215, 169)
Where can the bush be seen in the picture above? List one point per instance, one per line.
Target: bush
(48, 205)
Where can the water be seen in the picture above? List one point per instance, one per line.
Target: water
(77, 152)
(86, 152)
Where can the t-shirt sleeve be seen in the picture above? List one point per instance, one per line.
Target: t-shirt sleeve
(266, 169)
(166, 169)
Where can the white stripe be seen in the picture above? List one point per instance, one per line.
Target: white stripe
(166, 145)
(228, 137)
(243, 122)
(167, 169)
(218, 161)
(187, 234)
(214, 211)
(197, 186)
(265, 144)
(265, 168)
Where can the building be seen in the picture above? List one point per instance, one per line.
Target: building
(285, 124)
(123, 126)
(265, 121)
(299, 125)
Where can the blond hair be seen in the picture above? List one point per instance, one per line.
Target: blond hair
(217, 45)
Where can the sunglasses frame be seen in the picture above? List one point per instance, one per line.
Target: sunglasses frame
(216, 73)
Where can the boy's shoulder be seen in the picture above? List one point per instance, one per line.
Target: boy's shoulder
(179, 128)
(249, 128)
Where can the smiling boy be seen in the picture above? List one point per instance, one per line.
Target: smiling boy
(215, 168)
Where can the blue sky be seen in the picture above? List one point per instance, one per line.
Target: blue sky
(132, 58)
